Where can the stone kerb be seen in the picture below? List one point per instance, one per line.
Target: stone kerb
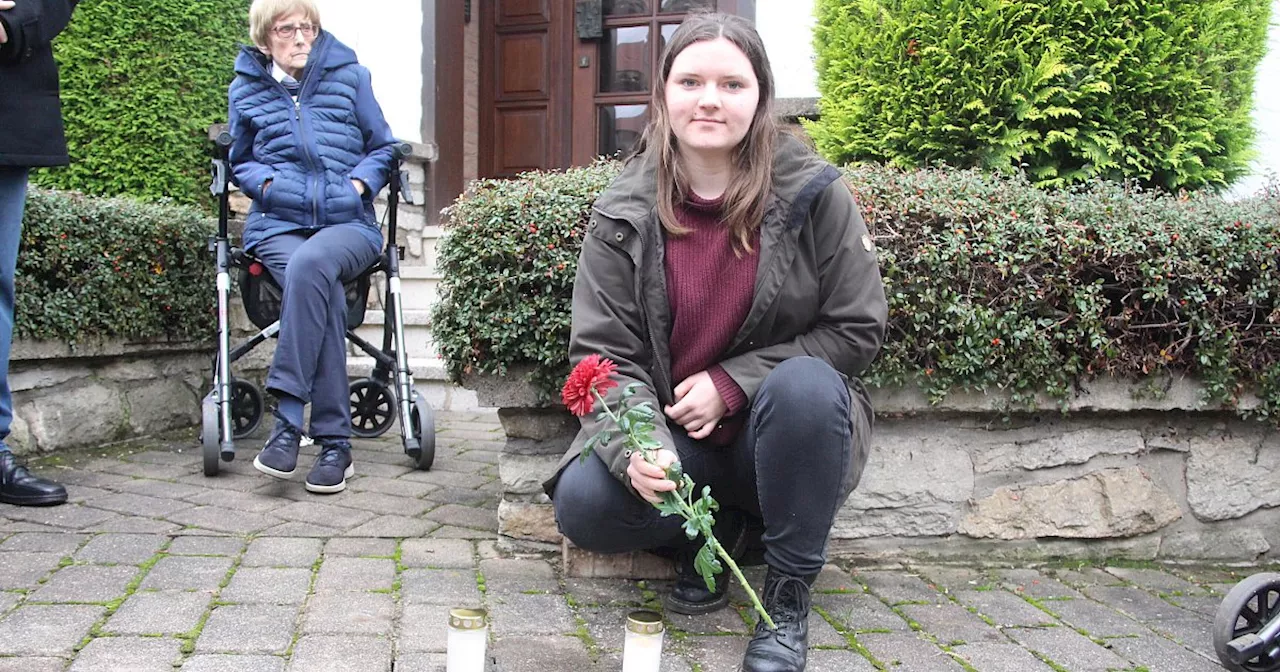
(95, 393)
(1142, 471)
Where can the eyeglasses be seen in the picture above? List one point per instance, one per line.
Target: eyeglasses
(286, 32)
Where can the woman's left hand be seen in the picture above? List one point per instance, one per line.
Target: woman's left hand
(359, 186)
(698, 406)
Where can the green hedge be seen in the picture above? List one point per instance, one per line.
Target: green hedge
(113, 268)
(993, 284)
(1155, 90)
(142, 80)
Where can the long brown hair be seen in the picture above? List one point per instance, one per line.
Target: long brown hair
(752, 160)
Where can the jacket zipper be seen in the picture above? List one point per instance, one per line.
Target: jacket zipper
(306, 151)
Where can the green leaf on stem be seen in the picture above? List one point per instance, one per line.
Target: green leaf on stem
(708, 565)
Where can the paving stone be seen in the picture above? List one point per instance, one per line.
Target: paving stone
(128, 654)
(423, 627)
(382, 469)
(516, 614)
(465, 516)
(330, 653)
(68, 516)
(187, 573)
(834, 579)
(282, 552)
(1033, 583)
(135, 525)
(1068, 648)
(953, 579)
(248, 629)
(1003, 607)
(437, 553)
(421, 662)
(171, 457)
(838, 661)
(607, 624)
(44, 542)
(447, 479)
(32, 664)
(1158, 654)
(951, 624)
(1095, 619)
(1087, 576)
(603, 591)
(715, 654)
(221, 519)
(1192, 632)
(163, 472)
(541, 654)
(355, 574)
(506, 575)
(8, 601)
(20, 569)
(297, 529)
(349, 614)
(161, 489)
(131, 504)
(1136, 602)
(168, 612)
(463, 496)
(1204, 605)
(80, 494)
(268, 585)
(202, 545)
(999, 657)
(327, 515)
(439, 586)
(903, 652)
(124, 549)
(46, 629)
(1155, 580)
(723, 622)
(451, 532)
(223, 662)
(391, 486)
(251, 502)
(85, 583)
(899, 587)
(382, 548)
(859, 612)
(393, 526)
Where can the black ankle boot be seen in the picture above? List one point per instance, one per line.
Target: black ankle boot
(786, 598)
(20, 487)
(690, 595)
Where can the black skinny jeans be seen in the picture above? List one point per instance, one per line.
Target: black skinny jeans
(788, 467)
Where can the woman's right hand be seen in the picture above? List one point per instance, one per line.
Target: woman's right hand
(651, 479)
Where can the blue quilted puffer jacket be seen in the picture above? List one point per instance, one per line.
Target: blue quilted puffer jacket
(310, 151)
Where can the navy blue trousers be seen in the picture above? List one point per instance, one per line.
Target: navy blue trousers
(311, 356)
(792, 466)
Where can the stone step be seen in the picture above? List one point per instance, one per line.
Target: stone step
(417, 333)
(429, 380)
(580, 564)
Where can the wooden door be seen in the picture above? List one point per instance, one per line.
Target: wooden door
(524, 86)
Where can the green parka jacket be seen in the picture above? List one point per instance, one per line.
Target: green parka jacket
(818, 293)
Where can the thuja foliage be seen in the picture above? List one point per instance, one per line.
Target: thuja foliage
(993, 284)
(142, 81)
(1158, 91)
(112, 268)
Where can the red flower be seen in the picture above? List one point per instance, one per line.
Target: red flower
(591, 373)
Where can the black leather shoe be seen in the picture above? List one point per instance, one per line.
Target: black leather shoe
(20, 487)
(787, 600)
(690, 595)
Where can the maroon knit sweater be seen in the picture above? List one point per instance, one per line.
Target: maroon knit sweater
(709, 289)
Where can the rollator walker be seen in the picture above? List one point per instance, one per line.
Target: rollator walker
(233, 408)
(1246, 631)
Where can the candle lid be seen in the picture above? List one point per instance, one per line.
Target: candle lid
(466, 619)
(644, 622)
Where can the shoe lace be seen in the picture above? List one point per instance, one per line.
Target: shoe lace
(332, 455)
(788, 598)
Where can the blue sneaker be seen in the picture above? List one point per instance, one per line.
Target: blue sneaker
(279, 457)
(332, 469)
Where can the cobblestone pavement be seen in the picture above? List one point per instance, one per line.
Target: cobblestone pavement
(153, 566)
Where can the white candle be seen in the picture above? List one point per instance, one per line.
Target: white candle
(468, 635)
(642, 649)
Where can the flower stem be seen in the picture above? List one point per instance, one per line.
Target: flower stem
(742, 580)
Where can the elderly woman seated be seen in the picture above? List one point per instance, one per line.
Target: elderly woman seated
(311, 148)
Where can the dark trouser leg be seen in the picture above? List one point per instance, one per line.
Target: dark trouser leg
(597, 513)
(310, 358)
(13, 196)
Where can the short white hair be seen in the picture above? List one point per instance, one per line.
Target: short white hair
(263, 14)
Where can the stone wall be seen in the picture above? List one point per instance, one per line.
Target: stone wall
(1138, 472)
(92, 394)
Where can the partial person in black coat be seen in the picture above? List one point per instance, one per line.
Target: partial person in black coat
(31, 136)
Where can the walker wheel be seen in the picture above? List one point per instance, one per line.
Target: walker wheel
(373, 408)
(1247, 609)
(209, 444)
(423, 426)
(246, 408)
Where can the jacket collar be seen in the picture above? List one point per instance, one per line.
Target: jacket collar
(327, 52)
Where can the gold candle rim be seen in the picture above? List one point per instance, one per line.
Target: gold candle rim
(645, 622)
(467, 619)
